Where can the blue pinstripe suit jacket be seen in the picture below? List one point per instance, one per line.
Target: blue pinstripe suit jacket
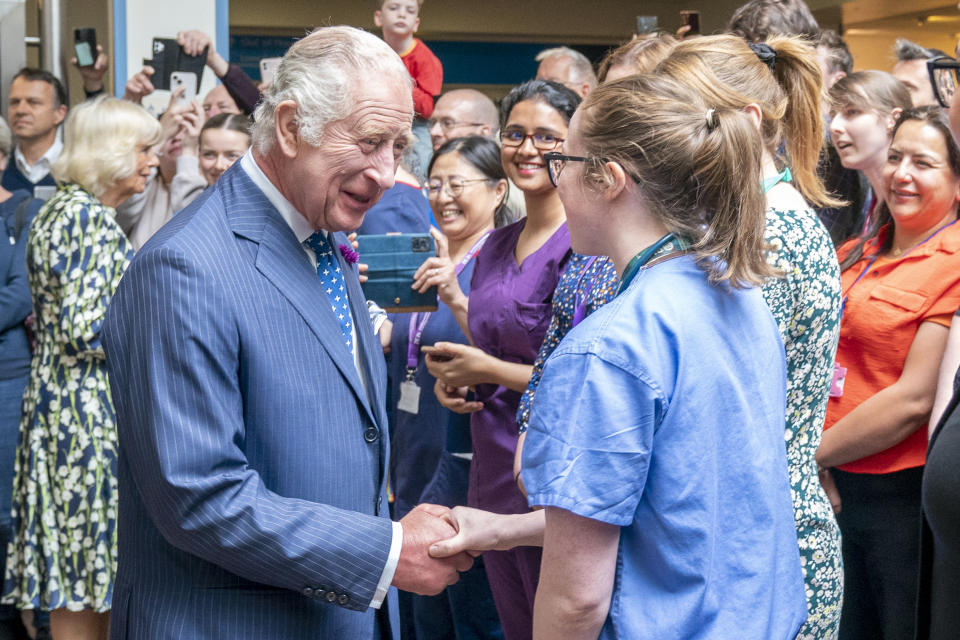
(252, 460)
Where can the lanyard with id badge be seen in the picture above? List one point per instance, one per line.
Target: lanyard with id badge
(409, 389)
(840, 372)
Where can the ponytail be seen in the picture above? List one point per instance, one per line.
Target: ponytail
(699, 168)
(798, 73)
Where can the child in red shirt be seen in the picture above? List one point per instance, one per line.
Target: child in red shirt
(399, 20)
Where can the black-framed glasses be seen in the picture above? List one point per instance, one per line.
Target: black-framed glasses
(557, 161)
(541, 140)
(454, 186)
(945, 78)
(448, 124)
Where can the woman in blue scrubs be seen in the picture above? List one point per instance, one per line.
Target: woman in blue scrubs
(655, 443)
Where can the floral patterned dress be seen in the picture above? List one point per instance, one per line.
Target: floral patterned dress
(806, 305)
(63, 550)
(593, 282)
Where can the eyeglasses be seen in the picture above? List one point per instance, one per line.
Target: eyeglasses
(557, 161)
(454, 186)
(516, 138)
(945, 78)
(448, 124)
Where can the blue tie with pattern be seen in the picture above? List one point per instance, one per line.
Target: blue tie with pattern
(332, 280)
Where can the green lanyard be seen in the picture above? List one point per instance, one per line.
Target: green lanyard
(772, 181)
(645, 256)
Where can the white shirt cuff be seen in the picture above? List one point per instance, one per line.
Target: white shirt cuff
(390, 568)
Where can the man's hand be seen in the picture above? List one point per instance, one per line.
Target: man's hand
(195, 41)
(416, 571)
(93, 75)
(139, 85)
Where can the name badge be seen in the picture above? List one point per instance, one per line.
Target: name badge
(836, 385)
(409, 397)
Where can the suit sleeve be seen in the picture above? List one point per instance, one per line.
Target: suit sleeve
(173, 350)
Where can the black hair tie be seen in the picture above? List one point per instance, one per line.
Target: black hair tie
(766, 54)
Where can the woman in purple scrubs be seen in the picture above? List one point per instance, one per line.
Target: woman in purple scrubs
(505, 318)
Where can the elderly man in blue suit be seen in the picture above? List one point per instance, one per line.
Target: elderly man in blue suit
(249, 386)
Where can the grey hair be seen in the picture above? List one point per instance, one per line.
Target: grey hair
(906, 50)
(319, 73)
(580, 64)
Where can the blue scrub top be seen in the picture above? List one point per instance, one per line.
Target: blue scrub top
(663, 413)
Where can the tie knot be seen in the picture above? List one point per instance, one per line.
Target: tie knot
(319, 243)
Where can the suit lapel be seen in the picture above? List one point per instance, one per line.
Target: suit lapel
(282, 261)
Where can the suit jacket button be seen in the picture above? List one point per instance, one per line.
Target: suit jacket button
(307, 591)
(319, 594)
(331, 596)
(371, 434)
(343, 599)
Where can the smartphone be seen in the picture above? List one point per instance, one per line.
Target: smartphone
(436, 354)
(391, 262)
(646, 25)
(187, 80)
(85, 46)
(690, 19)
(268, 68)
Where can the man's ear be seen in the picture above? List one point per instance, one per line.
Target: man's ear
(61, 114)
(486, 131)
(287, 128)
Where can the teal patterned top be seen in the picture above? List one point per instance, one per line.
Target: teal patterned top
(806, 305)
(63, 549)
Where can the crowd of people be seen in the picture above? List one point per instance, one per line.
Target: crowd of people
(692, 371)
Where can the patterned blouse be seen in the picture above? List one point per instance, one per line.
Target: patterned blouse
(595, 283)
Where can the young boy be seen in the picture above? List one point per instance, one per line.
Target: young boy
(399, 20)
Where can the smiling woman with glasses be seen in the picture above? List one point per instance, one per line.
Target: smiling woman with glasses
(506, 318)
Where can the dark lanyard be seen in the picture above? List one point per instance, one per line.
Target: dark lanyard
(843, 304)
(642, 258)
(580, 306)
(415, 334)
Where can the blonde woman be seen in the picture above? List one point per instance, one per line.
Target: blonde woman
(62, 556)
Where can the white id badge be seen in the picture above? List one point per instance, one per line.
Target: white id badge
(409, 397)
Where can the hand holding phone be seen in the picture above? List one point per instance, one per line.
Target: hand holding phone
(187, 81)
(268, 69)
(690, 19)
(436, 354)
(85, 46)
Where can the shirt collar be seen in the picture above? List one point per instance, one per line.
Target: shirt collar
(45, 160)
(294, 219)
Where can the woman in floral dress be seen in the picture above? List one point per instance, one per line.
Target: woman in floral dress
(62, 556)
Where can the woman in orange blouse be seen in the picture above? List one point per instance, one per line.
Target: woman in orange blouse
(900, 286)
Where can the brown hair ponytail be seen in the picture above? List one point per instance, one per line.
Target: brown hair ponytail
(725, 70)
(699, 168)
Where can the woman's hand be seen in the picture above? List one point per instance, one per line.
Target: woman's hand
(190, 120)
(830, 488)
(362, 268)
(139, 85)
(458, 365)
(455, 398)
(439, 272)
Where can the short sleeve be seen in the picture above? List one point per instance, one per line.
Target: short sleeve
(590, 438)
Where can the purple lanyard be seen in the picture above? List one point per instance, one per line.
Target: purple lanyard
(416, 328)
(580, 306)
(843, 304)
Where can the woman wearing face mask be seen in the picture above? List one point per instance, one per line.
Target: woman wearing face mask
(63, 554)
(430, 445)
(505, 318)
(864, 108)
(901, 285)
(224, 138)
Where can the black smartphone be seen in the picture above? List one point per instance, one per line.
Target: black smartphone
(85, 46)
(690, 19)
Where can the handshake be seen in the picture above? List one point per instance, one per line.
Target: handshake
(439, 543)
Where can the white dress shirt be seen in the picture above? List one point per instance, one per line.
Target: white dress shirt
(41, 167)
(303, 230)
